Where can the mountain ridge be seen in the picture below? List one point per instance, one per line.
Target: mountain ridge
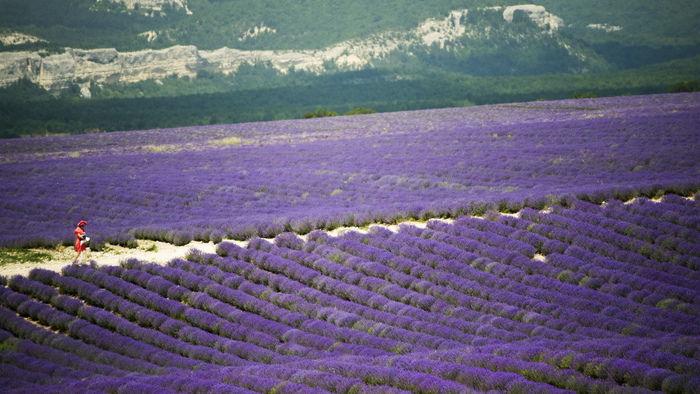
(107, 65)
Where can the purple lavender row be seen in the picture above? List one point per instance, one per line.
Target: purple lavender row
(545, 301)
(676, 199)
(21, 328)
(422, 306)
(441, 299)
(603, 269)
(59, 357)
(502, 225)
(428, 274)
(52, 376)
(623, 242)
(520, 294)
(16, 386)
(93, 334)
(670, 242)
(453, 289)
(26, 372)
(604, 282)
(584, 298)
(345, 313)
(225, 300)
(664, 353)
(495, 240)
(639, 355)
(600, 374)
(305, 272)
(195, 325)
(150, 322)
(310, 378)
(323, 336)
(563, 369)
(277, 382)
(466, 271)
(38, 371)
(678, 286)
(653, 294)
(428, 376)
(509, 374)
(668, 212)
(603, 247)
(335, 310)
(435, 247)
(327, 381)
(647, 227)
(547, 370)
(301, 341)
(529, 294)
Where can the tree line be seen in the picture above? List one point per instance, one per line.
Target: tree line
(40, 113)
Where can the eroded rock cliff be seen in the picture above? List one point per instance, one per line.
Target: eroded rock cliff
(110, 66)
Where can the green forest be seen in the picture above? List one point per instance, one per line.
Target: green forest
(313, 24)
(293, 96)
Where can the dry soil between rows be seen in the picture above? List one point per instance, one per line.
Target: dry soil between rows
(161, 254)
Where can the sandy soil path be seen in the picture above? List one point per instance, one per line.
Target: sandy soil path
(161, 254)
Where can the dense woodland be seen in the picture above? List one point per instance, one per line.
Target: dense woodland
(292, 96)
(312, 24)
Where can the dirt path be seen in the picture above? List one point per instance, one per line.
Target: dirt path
(151, 251)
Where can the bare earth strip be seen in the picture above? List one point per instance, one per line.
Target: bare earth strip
(161, 254)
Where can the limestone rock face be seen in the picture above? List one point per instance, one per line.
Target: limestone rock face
(100, 65)
(110, 66)
(149, 4)
(17, 65)
(228, 60)
(150, 64)
(537, 14)
(56, 71)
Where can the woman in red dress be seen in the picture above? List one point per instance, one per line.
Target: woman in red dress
(79, 244)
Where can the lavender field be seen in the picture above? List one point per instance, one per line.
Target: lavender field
(260, 179)
(555, 271)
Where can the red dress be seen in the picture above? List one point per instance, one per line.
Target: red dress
(78, 232)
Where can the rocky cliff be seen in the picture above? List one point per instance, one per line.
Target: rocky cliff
(150, 4)
(110, 66)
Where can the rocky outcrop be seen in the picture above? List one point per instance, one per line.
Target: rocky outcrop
(17, 65)
(99, 65)
(179, 60)
(18, 39)
(150, 4)
(110, 66)
(537, 14)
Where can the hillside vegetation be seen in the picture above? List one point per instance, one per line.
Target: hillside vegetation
(601, 48)
(314, 24)
(148, 105)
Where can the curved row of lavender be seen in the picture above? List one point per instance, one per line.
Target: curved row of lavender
(261, 179)
(583, 298)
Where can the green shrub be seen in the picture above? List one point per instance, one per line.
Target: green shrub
(320, 113)
(361, 111)
(684, 86)
(578, 95)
